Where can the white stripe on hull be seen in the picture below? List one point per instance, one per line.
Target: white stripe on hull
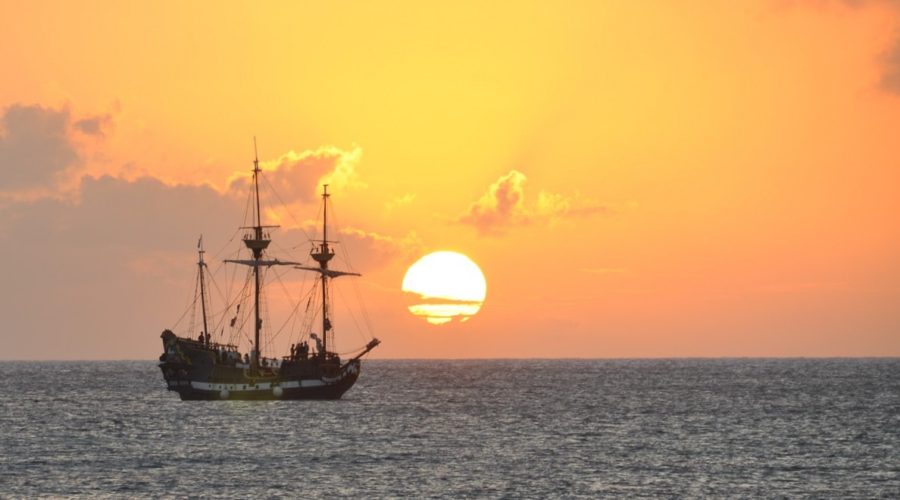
(264, 386)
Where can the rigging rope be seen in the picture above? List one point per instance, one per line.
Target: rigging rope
(234, 299)
(345, 255)
(284, 205)
(353, 317)
(192, 305)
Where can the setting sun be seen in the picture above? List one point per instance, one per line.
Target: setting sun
(447, 286)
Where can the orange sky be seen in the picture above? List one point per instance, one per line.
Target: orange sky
(634, 178)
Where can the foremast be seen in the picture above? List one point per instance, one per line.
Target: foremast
(201, 267)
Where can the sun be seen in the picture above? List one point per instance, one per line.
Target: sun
(447, 286)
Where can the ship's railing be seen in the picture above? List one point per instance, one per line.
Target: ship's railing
(212, 345)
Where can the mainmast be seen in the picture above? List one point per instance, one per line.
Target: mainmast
(322, 255)
(201, 266)
(256, 242)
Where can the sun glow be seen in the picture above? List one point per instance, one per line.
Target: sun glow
(446, 285)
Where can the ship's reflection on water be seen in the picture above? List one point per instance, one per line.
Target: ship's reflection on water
(445, 311)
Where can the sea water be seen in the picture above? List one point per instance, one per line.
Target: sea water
(516, 428)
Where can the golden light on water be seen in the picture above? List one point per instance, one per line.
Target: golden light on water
(446, 286)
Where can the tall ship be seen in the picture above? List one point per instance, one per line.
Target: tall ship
(212, 365)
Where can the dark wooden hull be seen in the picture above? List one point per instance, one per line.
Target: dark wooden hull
(200, 372)
(275, 389)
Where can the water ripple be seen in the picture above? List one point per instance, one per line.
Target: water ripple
(539, 429)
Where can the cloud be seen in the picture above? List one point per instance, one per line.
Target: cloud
(150, 213)
(552, 205)
(101, 263)
(890, 77)
(83, 287)
(369, 249)
(35, 147)
(504, 205)
(298, 177)
(96, 125)
(104, 271)
(43, 151)
(890, 58)
(399, 201)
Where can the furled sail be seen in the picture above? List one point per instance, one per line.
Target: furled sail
(263, 263)
(327, 272)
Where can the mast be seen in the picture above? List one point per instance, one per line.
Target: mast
(202, 265)
(322, 255)
(257, 254)
(257, 241)
(324, 265)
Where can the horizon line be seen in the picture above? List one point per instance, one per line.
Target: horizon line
(776, 357)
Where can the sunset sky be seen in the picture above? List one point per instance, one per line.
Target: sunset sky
(635, 179)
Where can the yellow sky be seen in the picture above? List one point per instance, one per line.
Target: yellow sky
(680, 179)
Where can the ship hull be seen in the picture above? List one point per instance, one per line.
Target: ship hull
(197, 371)
(196, 390)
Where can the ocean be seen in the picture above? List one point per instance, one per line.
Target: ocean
(465, 429)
